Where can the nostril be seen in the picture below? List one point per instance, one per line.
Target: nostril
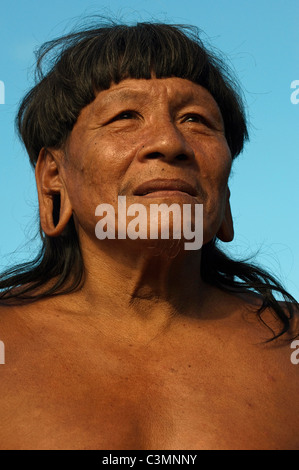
(154, 155)
(182, 157)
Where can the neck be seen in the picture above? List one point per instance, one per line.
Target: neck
(133, 293)
(140, 279)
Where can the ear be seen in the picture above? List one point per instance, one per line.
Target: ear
(54, 206)
(226, 230)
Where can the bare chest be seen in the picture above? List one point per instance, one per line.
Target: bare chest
(184, 403)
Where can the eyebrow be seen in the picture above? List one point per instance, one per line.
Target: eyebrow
(182, 99)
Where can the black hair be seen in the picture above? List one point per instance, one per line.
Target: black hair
(70, 71)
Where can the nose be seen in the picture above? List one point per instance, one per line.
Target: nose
(165, 141)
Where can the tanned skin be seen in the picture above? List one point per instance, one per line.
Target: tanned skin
(145, 355)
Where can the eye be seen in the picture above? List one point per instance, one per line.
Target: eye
(195, 118)
(124, 115)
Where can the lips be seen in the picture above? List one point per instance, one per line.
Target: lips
(165, 185)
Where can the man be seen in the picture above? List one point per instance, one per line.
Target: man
(140, 344)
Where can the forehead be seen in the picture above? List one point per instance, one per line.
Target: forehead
(177, 91)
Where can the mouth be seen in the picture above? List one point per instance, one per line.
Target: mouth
(165, 188)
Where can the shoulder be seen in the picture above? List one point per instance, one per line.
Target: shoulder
(274, 317)
(280, 356)
(20, 322)
(12, 324)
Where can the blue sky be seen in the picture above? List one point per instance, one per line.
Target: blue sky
(261, 41)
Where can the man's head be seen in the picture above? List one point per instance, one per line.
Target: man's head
(78, 92)
(137, 139)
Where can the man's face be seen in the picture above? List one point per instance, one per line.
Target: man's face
(144, 130)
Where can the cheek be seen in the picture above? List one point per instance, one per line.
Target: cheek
(96, 166)
(214, 168)
(93, 176)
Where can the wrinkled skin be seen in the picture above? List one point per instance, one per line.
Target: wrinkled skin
(139, 130)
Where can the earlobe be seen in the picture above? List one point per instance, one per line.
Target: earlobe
(54, 205)
(226, 230)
